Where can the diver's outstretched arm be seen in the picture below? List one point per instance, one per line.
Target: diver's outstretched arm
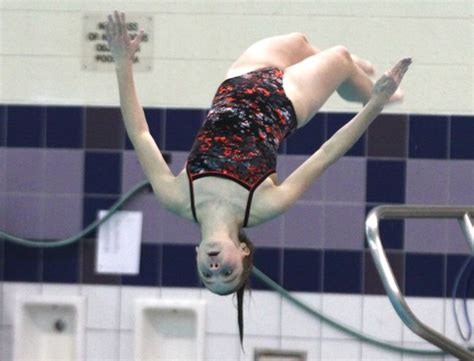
(280, 198)
(123, 49)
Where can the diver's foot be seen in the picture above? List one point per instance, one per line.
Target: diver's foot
(365, 65)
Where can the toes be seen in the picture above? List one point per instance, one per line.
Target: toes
(397, 96)
(365, 65)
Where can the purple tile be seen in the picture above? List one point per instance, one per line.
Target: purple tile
(268, 234)
(457, 242)
(177, 230)
(290, 163)
(178, 161)
(3, 211)
(132, 172)
(23, 215)
(461, 180)
(24, 170)
(304, 226)
(387, 137)
(426, 235)
(153, 216)
(64, 171)
(427, 182)
(3, 182)
(282, 166)
(61, 216)
(344, 227)
(345, 180)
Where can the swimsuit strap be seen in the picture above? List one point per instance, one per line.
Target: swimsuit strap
(191, 194)
(247, 209)
(249, 199)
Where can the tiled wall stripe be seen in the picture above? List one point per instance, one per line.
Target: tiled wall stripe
(3, 126)
(461, 138)
(428, 137)
(167, 265)
(76, 161)
(391, 135)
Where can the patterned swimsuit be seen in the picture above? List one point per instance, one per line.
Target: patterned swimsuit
(249, 118)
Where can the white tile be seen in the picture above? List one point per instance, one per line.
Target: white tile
(380, 319)
(440, 82)
(102, 345)
(12, 291)
(127, 304)
(421, 346)
(345, 309)
(45, 33)
(186, 293)
(49, 80)
(63, 82)
(262, 313)
(298, 323)
(222, 348)
(342, 351)
(192, 28)
(438, 37)
(34, 6)
(450, 327)
(102, 306)
(370, 352)
(429, 311)
(61, 289)
(6, 343)
(312, 347)
(313, 9)
(126, 346)
(221, 313)
(1, 304)
(252, 343)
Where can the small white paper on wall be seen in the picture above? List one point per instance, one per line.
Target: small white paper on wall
(96, 55)
(118, 243)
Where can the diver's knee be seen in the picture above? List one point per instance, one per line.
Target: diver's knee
(342, 53)
(299, 37)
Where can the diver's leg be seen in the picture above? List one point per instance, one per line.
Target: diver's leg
(280, 51)
(311, 82)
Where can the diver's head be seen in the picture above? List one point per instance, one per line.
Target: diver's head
(224, 265)
(218, 262)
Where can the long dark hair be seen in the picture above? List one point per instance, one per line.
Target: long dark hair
(244, 283)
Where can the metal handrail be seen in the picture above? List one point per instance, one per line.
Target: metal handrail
(462, 213)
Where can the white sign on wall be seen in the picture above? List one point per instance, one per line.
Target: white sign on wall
(96, 52)
(118, 243)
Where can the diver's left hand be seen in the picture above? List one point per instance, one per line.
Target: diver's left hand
(386, 89)
(122, 46)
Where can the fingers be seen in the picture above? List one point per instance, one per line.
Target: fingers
(403, 66)
(399, 69)
(116, 25)
(139, 37)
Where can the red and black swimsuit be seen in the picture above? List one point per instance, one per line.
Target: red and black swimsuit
(239, 139)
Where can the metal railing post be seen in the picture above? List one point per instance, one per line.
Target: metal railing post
(462, 213)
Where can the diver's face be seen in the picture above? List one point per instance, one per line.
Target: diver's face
(220, 265)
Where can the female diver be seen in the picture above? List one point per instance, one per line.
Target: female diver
(275, 87)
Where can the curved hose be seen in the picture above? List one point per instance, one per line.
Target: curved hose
(90, 228)
(256, 272)
(465, 309)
